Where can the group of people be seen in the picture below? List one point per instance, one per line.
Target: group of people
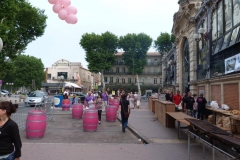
(191, 104)
(134, 100)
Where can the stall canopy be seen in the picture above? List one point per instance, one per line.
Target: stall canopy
(69, 84)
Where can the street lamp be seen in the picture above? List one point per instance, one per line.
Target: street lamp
(1, 44)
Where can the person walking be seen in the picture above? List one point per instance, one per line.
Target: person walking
(125, 111)
(89, 101)
(195, 106)
(201, 106)
(188, 104)
(177, 98)
(105, 99)
(184, 96)
(131, 101)
(99, 106)
(10, 142)
(139, 100)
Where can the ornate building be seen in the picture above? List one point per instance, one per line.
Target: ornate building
(208, 49)
(120, 78)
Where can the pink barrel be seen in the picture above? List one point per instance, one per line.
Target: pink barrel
(111, 113)
(90, 120)
(115, 101)
(77, 111)
(66, 105)
(36, 124)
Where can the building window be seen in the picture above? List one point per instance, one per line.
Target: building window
(117, 70)
(148, 61)
(123, 70)
(105, 79)
(123, 81)
(149, 81)
(155, 70)
(64, 74)
(49, 76)
(149, 70)
(155, 61)
(117, 80)
(160, 80)
(155, 81)
(142, 80)
(111, 79)
(129, 80)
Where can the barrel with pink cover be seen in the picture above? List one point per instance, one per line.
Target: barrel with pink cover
(36, 124)
(90, 120)
(115, 102)
(111, 113)
(77, 111)
(66, 105)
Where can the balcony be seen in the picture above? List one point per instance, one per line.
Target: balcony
(151, 73)
(117, 73)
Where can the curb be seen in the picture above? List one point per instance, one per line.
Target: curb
(138, 135)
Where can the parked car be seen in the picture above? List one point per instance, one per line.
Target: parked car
(5, 92)
(36, 98)
(79, 95)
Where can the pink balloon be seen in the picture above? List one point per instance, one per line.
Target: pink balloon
(71, 19)
(52, 1)
(71, 10)
(62, 14)
(65, 3)
(57, 7)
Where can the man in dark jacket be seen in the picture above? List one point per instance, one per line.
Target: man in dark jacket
(201, 106)
(188, 103)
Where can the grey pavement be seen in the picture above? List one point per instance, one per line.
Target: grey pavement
(64, 139)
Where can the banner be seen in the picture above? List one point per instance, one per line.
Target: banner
(232, 64)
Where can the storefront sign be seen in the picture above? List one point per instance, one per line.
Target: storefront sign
(232, 64)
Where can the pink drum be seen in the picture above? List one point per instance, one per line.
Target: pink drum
(111, 113)
(36, 124)
(90, 120)
(77, 111)
(115, 101)
(66, 105)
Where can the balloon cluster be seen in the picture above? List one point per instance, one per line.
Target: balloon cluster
(64, 10)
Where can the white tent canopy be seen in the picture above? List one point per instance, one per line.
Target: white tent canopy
(69, 84)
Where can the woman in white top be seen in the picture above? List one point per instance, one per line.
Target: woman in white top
(131, 101)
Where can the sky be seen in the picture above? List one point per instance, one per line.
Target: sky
(61, 40)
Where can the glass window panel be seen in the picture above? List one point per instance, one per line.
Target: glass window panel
(228, 14)
(220, 19)
(236, 12)
(226, 40)
(214, 25)
(234, 36)
(218, 46)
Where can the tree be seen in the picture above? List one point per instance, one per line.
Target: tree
(26, 69)
(20, 24)
(135, 48)
(164, 42)
(100, 50)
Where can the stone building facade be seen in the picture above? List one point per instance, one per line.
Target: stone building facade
(69, 70)
(119, 77)
(208, 47)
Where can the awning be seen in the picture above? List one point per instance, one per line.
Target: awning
(69, 84)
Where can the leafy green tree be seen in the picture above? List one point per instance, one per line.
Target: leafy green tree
(100, 50)
(27, 68)
(135, 47)
(20, 24)
(164, 42)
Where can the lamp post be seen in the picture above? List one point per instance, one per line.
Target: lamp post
(1, 44)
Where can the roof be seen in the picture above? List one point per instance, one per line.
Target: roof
(148, 53)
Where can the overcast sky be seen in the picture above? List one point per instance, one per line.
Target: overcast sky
(61, 40)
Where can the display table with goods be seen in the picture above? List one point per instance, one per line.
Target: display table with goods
(214, 137)
(171, 117)
(161, 107)
(228, 120)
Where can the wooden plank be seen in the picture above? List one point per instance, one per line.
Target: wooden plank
(184, 121)
(178, 115)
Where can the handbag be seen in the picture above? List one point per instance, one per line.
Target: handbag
(126, 114)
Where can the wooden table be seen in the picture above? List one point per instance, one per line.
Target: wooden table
(179, 117)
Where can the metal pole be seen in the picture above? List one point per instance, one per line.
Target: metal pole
(189, 145)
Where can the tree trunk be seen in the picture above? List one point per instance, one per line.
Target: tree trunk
(103, 89)
(138, 84)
